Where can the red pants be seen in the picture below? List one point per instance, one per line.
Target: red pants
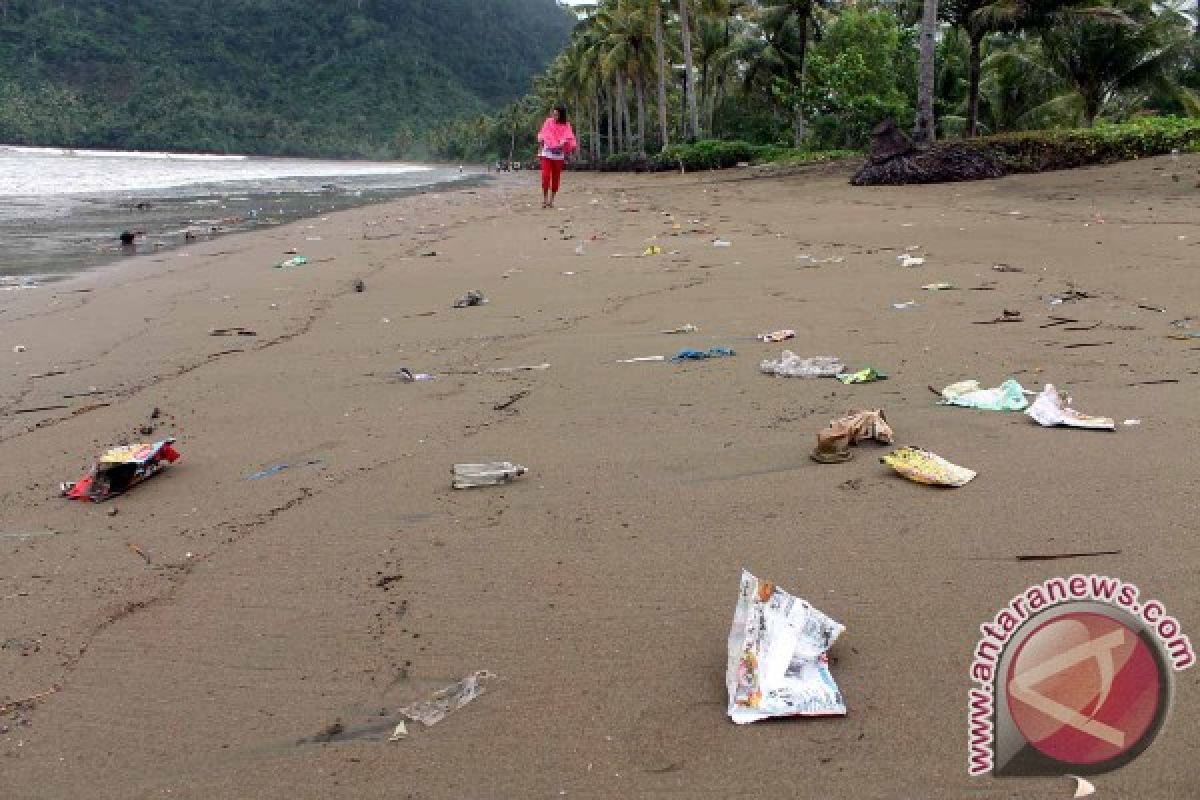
(552, 169)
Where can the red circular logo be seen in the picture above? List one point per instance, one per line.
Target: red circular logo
(1083, 688)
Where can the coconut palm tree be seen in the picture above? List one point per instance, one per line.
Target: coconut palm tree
(926, 72)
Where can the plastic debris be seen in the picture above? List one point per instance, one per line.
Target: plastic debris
(688, 354)
(641, 359)
(688, 328)
(406, 375)
(399, 733)
(777, 664)
(941, 286)
(20, 348)
(1083, 788)
(1131, 422)
(446, 701)
(910, 261)
(1050, 409)
(652, 250)
(275, 469)
(905, 306)
(777, 336)
(721, 243)
(295, 261)
(833, 443)
(925, 467)
(790, 365)
(494, 473)
(120, 469)
(868, 375)
(471, 298)
(1008, 396)
(522, 368)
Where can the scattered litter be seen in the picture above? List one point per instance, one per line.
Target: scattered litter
(295, 261)
(910, 261)
(688, 328)
(1152, 308)
(1051, 409)
(776, 336)
(19, 348)
(49, 374)
(429, 254)
(1077, 345)
(939, 287)
(275, 469)
(399, 733)
(28, 701)
(568, 273)
(471, 298)
(641, 359)
(359, 286)
(133, 548)
(1007, 268)
(494, 473)
(232, 332)
(1057, 556)
(1132, 422)
(579, 249)
(777, 664)
(1008, 396)
(688, 354)
(1185, 335)
(868, 375)
(1005, 316)
(833, 443)
(928, 468)
(511, 400)
(121, 468)
(523, 368)
(722, 243)
(1083, 788)
(905, 305)
(652, 250)
(790, 365)
(446, 701)
(406, 375)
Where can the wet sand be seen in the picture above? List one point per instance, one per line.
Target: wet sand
(200, 641)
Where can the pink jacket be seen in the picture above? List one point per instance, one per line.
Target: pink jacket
(554, 134)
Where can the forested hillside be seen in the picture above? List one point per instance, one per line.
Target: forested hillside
(327, 77)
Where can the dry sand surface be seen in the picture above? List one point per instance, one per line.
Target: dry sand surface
(599, 587)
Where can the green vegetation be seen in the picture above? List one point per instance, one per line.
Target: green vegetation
(290, 77)
(741, 77)
(1037, 151)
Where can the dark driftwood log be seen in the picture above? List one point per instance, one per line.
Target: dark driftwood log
(943, 163)
(888, 141)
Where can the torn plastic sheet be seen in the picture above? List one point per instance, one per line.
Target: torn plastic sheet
(1050, 409)
(120, 469)
(777, 664)
(790, 365)
(1008, 396)
(929, 468)
(446, 701)
(867, 375)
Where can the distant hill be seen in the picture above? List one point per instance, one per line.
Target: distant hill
(285, 77)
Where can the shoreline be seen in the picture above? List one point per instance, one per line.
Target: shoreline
(226, 633)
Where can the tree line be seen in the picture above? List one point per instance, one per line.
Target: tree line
(640, 75)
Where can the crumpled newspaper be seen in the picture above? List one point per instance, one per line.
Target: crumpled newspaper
(1050, 408)
(929, 468)
(777, 665)
(790, 365)
(1008, 396)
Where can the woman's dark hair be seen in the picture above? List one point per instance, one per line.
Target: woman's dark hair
(560, 113)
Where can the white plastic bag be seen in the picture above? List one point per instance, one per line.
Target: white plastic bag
(777, 664)
(790, 365)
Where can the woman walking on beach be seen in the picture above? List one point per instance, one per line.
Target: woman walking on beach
(557, 141)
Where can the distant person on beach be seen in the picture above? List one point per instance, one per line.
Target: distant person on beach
(557, 141)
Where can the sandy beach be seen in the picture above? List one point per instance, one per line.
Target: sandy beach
(200, 642)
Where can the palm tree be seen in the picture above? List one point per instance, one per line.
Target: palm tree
(660, 52)
(1100, 59)
(924, 133)
(689, 81)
